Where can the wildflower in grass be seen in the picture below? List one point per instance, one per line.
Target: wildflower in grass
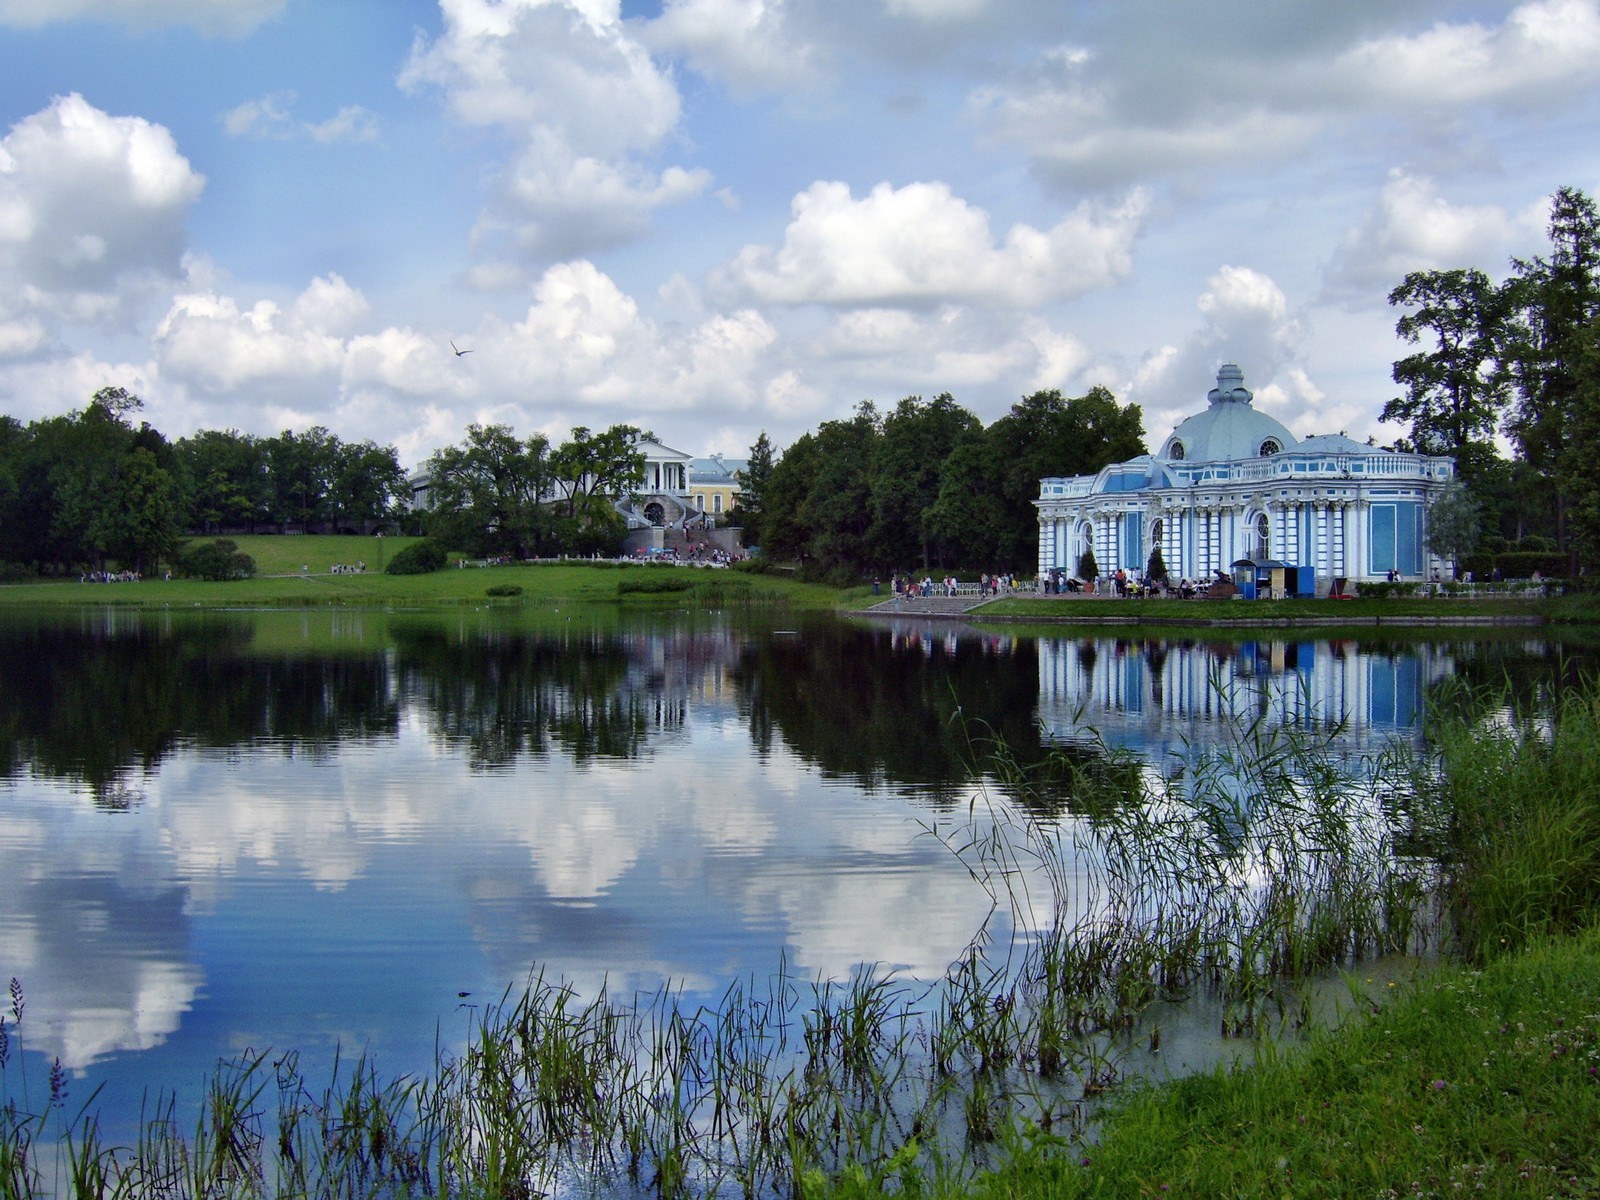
(1438, 1085)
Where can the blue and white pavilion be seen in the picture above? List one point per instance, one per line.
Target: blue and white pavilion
(1232, 484)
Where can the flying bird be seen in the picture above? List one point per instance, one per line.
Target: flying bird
(459, 353)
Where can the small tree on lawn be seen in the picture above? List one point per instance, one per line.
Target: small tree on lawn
(1454, 523)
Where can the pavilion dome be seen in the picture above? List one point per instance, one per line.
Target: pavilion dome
(1229, 429)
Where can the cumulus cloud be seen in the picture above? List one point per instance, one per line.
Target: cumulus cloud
(921, 243)
(232, 18)
(207, 341)
(581, 99)
(92, 210)
(1411, 227)
(551, 205)
(1245, 319)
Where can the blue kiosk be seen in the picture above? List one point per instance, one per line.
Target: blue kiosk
(1269, 579)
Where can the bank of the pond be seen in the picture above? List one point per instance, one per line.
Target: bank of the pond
(1483, 1083)
(1325, 616)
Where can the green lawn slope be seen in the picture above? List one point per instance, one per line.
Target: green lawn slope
(297, 570)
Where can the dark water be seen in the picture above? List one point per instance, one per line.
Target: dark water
(222, 832)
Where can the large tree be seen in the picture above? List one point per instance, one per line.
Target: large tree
(489, 493)
(838, 506)
(301, 467)
(596, 468)
(1456, 391)
(916, 439)
(226, 481)
(366, 487)
(969, 516)
(753, 483)
(88, 489)
(1556, 299)
(1046, 435)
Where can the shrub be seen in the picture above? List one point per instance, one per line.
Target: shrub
(650, 582)
(417, 559)
(1382, 590)
(505, 589)
(218, 560)
(760, 564)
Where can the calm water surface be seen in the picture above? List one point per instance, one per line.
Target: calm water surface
(222, 832)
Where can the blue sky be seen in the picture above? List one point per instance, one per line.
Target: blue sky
(712, 218)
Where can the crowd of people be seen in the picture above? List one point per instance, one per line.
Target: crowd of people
(1121, 583)
(908, 588)
(111, 577)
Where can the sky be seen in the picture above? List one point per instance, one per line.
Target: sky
(717, 218)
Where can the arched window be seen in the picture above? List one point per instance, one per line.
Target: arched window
(1270, 446)
(1263, 537)
(1175, 451)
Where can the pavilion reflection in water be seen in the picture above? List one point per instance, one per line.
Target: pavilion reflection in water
(1162, 697)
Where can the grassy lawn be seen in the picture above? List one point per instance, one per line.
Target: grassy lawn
(280, 581)
(1468, 1083)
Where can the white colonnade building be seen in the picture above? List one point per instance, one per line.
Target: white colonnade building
(1232, 483)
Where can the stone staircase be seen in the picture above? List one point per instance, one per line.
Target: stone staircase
(931, 606)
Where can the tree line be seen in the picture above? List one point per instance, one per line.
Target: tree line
(926, 485)
(1506, 380)
(91, 487)
(97, 487)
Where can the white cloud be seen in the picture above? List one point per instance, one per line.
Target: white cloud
(270, 118)
(92, 210)
(267, 117)
(352, 123)
(208, 342)
(1412, 227)
(921, 243)
(581, 99)
(550, 205)
(937, 10)
(1209, 91)
(750, 44)
(1246, 319)
(1542, 47)
(232, 18)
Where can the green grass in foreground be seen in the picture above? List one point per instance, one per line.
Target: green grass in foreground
(1469, 1083)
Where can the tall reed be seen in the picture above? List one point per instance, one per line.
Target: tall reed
(1511, 805)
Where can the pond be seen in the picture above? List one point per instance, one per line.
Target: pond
(343, 832)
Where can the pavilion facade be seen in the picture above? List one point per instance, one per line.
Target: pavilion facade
(1231, 484)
